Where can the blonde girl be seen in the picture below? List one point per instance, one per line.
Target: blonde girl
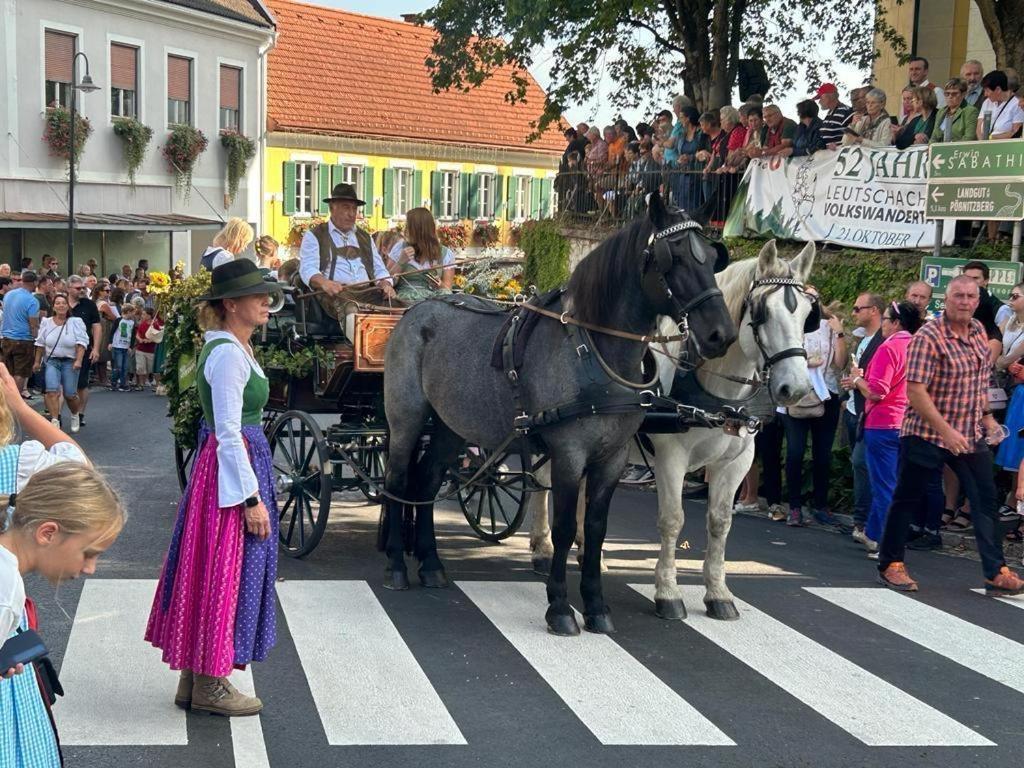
(421, 250)
(234, 238)
(266, 253)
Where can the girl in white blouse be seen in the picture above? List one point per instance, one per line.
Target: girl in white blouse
(60, 346)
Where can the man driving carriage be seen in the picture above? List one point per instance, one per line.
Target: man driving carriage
(338, 258)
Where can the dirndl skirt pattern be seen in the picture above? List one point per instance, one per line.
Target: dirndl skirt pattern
(1011, 450)
(26, 734)
(215, 604)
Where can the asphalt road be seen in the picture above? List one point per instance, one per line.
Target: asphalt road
(809, 675)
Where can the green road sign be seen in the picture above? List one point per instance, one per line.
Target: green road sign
(976, 160)
(937, 272)
(976, 200)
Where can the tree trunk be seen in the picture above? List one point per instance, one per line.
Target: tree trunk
(1004, 23)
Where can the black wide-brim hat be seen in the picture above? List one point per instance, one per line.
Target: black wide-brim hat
(342, 193)
(238, 278)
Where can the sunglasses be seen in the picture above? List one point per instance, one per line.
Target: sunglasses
(860, 309)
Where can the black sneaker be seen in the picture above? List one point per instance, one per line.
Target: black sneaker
(926, 541)
(81, 419)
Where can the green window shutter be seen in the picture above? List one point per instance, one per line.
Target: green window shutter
(288, 193)
(368, 189)
(337, 174)
(499, 199)
(510, 196)
(389, 192)
(417, 189)
(435, 193)
(463, 182)
(324, 185)
(535, 198)
(474, 195)
(545, 198)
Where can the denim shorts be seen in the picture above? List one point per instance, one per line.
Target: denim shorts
(60, 371)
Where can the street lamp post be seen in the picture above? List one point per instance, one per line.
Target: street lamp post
(86, 86)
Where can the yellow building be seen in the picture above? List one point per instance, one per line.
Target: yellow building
(349, 100)
(946, 32)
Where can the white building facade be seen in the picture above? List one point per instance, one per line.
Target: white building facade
(163, 62)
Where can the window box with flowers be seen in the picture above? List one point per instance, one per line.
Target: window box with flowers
(184, 146)
(135, 138)
(452, 235)
(57, 133)
(485, 233)
(240, 151)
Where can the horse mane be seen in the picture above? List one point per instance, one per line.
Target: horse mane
(597, 283)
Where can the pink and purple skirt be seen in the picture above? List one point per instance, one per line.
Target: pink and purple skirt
(215, 604)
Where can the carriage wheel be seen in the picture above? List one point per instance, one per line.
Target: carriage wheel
(495, 504)
(302, 478)
(184, 458)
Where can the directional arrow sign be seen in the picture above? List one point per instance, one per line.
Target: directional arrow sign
(977, 160)
(977, 200)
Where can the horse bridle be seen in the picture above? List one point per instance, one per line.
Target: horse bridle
(657, 261)
(757, 311)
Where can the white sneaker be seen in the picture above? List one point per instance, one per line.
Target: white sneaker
(859, 536)
(746, 507)
(872, 555)
(75, 424)
(55, 422)
(872, 546)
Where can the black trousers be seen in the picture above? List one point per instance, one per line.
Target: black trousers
(823, 433)
(920, 460)
(768, 448)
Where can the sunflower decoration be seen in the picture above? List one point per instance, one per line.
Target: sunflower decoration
(159, 283)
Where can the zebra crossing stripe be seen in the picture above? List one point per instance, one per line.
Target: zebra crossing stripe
(247, 742)
(359, 669)
(106, 661)
(969, 645)
(613, 694)
(867, 707)
(1016, 602)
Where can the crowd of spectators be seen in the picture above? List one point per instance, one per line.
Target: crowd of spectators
(697, 158)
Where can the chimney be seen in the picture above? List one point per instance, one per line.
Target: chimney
(411, 18)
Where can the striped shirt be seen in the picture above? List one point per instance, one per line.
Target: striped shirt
(834, 124)
(955, 371)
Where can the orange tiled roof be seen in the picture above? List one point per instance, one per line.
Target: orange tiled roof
(338, 72)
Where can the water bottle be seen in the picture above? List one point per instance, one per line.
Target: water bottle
(986, 128)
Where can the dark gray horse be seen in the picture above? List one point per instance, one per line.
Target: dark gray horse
(438, 368)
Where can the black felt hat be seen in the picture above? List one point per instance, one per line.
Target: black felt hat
(344, 192)
(236, 278)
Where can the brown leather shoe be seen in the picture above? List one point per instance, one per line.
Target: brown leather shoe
(219, 697)
(183, 697)
(895, 576)
(1006, 582)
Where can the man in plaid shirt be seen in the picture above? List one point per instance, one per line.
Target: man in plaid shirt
(948, 422)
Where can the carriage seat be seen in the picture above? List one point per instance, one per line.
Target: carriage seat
(310, 317)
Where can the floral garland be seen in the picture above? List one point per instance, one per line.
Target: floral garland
(183, 338)
(184, 146)
(57, 133)
(241, 150)
(300, 225)
(485, 233)
(135, 137)
(486, 278)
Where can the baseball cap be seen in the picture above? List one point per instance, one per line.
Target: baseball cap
(826, 88)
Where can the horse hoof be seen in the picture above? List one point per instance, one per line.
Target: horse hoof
(724, 610)
(396, 580)
(542, 566)
(434, 579)
(672, 610)
(562, 624)
(599, 623)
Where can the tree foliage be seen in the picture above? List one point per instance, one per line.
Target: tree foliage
(651, 48)
(1004, 23)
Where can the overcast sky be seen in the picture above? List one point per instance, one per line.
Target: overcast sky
(596, 110)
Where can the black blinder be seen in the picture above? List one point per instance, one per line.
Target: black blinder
(813, 321)
(721, 257)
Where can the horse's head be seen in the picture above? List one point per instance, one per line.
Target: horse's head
(776, 315)
(678, 277)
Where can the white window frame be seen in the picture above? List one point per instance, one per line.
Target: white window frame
(487, 191)
(79, 46)
(140, 75)
(239, 65)
(403, 191)
(520, 197)
(450, 188)
(193, 85)
(306, 174)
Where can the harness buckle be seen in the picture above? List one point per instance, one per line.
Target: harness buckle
(582, 350)
(521, 423)
(562, 319)
(513, 376)
(646, 398)
(520, 298)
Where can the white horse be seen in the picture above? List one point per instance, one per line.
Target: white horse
(770, 343)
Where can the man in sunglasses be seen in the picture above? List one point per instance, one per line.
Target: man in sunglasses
(949, 422)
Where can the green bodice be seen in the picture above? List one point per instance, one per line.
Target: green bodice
(254, 396)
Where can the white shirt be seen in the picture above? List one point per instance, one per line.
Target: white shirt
(1005, 114)
(60, 341)
(819, 345)
(346, 270)
(227, 370)
(447, 257)
(222, 258)
(32, 457)
(122, 336)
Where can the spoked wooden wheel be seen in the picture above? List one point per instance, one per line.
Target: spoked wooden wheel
(495, 504)
(184, 458)
(302, 477)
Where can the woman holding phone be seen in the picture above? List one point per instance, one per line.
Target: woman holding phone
(423, 265)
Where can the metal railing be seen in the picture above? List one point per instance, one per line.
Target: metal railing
(612, 198)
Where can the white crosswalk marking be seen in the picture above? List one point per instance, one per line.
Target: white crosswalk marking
(974, 647)
(360, 671)
(247, 732)
(1016, 602)
(864, 705)
(613, 694)
(119, 692)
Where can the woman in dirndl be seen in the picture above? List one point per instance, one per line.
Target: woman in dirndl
(214, 606)
(422, 265)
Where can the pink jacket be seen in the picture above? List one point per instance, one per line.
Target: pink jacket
(886, 377)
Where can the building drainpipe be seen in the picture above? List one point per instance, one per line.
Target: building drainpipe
(917, 24)
(262, 129)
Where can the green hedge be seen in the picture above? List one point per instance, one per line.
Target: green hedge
(547, 254)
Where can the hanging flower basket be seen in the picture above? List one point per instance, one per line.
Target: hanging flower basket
(299, 227)
(485, 234)
(183, 148)
(57, 133)
(452, 235)
(135, 138)
(241, 150)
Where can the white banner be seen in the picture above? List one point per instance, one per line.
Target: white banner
(855, 196)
